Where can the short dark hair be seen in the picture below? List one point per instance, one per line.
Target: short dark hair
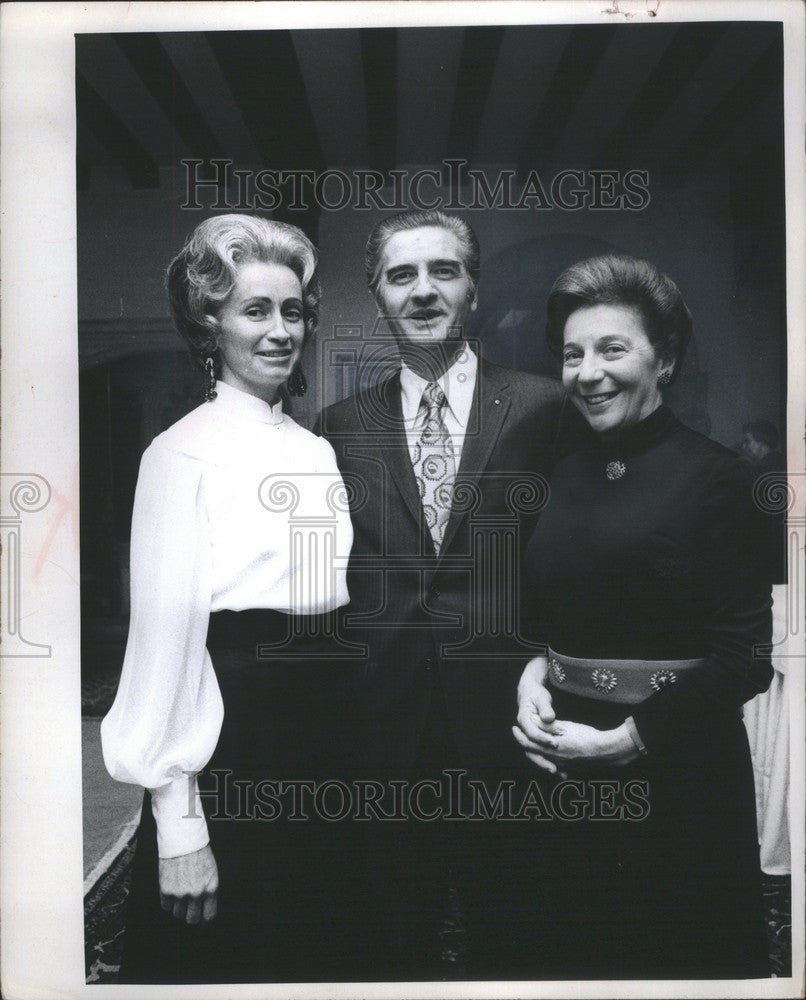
(615, 279)
(763, 431)
(386, 228)
(204, 271)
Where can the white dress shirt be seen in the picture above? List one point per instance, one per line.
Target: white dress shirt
(458, 383)
(215, 506)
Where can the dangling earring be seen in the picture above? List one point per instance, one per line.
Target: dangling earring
(664, 378)
(209, 387)
(296, 385)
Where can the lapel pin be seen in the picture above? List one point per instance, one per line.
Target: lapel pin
(497, 402)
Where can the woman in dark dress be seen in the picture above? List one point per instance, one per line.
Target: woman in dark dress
(646, 569)
(239, 547)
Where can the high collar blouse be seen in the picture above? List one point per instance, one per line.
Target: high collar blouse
(221, 498)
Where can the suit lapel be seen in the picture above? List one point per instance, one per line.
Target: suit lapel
(491, 402)
(394, 452)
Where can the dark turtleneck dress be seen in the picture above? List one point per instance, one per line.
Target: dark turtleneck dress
(662, 563)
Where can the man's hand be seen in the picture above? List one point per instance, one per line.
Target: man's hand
(189, 886)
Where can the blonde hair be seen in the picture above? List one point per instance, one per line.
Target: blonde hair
(203, 273)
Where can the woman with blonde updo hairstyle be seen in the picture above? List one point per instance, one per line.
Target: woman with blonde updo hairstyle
(226, 689)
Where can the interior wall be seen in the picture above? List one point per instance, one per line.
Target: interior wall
(127, 237)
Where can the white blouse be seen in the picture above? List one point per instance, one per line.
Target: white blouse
(219, 496)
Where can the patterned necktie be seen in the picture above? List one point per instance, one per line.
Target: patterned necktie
(434, 463)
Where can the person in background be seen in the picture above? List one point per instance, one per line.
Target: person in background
(760, 444)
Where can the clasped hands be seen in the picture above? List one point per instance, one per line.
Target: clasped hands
(555, 744)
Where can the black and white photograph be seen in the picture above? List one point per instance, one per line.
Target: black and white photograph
(403, 499)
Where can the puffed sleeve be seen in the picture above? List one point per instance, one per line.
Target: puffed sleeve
(166, 718)
(737, 665)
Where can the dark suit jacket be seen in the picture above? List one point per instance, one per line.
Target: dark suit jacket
(448, 621)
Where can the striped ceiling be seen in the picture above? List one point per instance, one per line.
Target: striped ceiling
(384, 98)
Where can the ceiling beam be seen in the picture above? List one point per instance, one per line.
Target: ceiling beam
(526, 64)
(427, 71)
(262, 72)
(611, 92)
(103, 65)
(584, 49)
(480, 49)
(193, 59)
(673, 131)
(152, 64)
(723, 124)
(686, 51)
(95, 114)
(379, 60)
(330, 63)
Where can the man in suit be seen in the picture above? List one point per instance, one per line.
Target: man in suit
(446, 461)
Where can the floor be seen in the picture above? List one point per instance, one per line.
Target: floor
(111, 810)
(110, 816)
(110, 807)
(104, 910)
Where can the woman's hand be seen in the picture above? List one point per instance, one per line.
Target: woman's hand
(568, 742)
(536, 715)
(189, 886)
(550, 742)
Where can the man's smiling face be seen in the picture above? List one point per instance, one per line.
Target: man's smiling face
(424, 289)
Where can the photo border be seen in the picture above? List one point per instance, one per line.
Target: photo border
(40, 738)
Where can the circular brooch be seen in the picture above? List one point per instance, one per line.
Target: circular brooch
(662, 678)
(604, 680)
(557, 671)
(615, 470)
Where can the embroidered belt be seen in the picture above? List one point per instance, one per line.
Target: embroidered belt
(628, 682)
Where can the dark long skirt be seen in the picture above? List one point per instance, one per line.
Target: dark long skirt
(286, 902)
(668, 885)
